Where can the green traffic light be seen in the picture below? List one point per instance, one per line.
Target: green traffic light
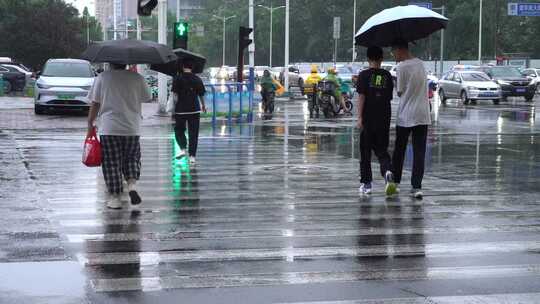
(182, 29)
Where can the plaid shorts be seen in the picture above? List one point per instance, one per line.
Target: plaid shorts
(121, 157)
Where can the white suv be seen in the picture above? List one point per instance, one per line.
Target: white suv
(64, 83)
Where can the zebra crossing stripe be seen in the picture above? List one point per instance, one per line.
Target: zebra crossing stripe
(509, 298)
(290, 254)
(295, 278)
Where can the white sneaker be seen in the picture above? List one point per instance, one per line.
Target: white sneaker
(181, 154)
(114, 202)
(417, 193)
(192, 160)
(365, 188)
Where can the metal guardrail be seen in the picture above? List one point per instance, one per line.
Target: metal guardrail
(231, 88)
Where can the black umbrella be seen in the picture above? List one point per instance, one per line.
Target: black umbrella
(409, 23)
(173, 67)
(129, 52)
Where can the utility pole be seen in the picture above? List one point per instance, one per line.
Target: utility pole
(87, 31)
(441, 58)
(115, 21)
(251, 51)
(480, 35)
(126, 19)
(139, 28)
(286, 73)
(177, 10)
(162, 38)
(353, 33)
(442, 46)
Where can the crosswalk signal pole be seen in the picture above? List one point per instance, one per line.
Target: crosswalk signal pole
(162, 38)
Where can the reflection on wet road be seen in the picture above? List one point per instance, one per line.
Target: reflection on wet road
(271, 214)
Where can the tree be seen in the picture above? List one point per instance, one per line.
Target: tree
(36, 30)
(92, 30)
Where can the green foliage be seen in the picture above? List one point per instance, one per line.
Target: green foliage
(312, 21)
(36, 30)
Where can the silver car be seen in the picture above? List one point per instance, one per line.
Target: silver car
(469, 86)
(64, 83)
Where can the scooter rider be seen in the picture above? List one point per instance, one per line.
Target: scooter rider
(332, 76)
(267, 86)
(310, 89)
(345, 90)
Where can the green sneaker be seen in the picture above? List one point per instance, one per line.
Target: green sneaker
(391, 187)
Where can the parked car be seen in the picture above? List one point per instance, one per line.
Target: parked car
(512, 82)
(294, 77)
(64, 83)
(21, 68)
(223, 73)
(5, 60)
(259, 70)
(345, 73)
(390, 68)
(534, 75)
(469, 86)
(13, 79)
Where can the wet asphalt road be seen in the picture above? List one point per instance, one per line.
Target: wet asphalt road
(271, 214)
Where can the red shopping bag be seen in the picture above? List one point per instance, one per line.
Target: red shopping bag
(92, 150)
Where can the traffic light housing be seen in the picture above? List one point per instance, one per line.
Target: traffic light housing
(243, 43)
(244, 40)
(145, 7)
(180, 38)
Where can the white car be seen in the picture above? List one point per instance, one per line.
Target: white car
(390, 68)
(534, 74)
(469, 86)
(64, 83)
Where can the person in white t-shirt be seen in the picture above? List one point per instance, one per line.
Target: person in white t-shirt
(413, 115)
(116, 98)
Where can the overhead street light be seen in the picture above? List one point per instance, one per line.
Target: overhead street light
(271, 9)
(224, 19)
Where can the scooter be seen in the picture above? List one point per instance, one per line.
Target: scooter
(328, 101)
(348, 103)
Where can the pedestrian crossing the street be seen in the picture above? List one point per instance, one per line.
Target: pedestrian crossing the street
(271, 214)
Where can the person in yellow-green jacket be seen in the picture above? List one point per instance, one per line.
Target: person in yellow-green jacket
(268, 87)
(332, 76)
(310, 89)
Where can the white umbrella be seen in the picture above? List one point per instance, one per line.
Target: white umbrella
(409, 23)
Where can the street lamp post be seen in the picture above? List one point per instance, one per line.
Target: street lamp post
(177, 10)
(224, 19)
(480, 35)
(286, 74)
(354, 32)
(271, 9)
(441, 61)
(87, 31)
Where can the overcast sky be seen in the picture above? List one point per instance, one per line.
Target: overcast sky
(80, 4)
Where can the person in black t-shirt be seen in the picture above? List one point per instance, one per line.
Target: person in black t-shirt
(189, 92)
(375, 91)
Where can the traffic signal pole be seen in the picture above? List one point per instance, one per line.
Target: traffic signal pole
(286, 74)
(251, 49)
(162, 38)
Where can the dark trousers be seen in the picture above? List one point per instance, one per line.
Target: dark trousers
(121, 159)
(192, 122)
(375, 139)
(419, 139)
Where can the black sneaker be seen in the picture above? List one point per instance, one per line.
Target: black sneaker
(135, 197)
